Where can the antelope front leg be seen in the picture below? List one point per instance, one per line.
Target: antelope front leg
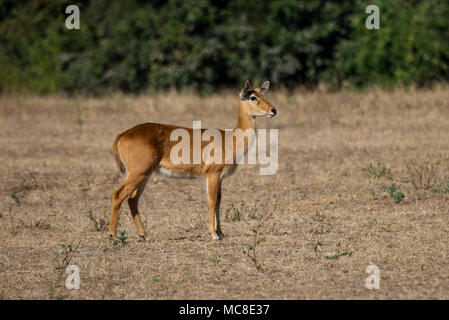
(214, 194)
(217, 212)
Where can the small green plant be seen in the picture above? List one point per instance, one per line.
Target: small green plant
(20, 192)
(378, 170)
(254, 213)
(398, 196)
(441, 187)
(215, 259)
(122, 239)
(444, 188)
(79, 115)
(251, 253)
(39, 224)
(339, 253)
(318, 217)
(65, 255)
(234, 213)
(322, 229)
(333, 119)
(317, 246)
(51, 202)
(14, 228)
(386, 228)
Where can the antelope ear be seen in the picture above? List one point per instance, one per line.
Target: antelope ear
(264, 87)
(245, 89)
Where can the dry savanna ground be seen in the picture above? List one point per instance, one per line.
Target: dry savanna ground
(363, 179)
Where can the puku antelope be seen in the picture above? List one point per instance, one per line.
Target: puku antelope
(146, 148)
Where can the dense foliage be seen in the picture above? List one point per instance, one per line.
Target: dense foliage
(137, 45)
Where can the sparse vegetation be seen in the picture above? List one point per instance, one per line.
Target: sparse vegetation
(28, 223)
(14, 228)
(251, 251)
(78, 115)
(377, 170)
(65, 256)
(100, 223)
(386, 228)
(302, 124)
(340, 253)
(318, 217)
(319, 197)
(215, 259)
(396, 195)
(35, 224)
(422, 175)
(382, 227)
(234, 212)
(317, 247)
(122, 239)
(20, 192)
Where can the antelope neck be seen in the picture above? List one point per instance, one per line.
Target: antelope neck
(245, 121)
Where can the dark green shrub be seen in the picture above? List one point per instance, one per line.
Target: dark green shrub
(411, 46)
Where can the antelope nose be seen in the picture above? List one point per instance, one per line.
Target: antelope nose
(273, 111)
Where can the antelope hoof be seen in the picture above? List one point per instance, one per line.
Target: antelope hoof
(215, 236)
(144, 237)
(112, 236)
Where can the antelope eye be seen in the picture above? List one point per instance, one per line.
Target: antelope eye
(253, 98)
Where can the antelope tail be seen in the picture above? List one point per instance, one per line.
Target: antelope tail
(117, 158)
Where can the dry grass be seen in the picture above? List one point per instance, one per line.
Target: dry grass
(325, 219)
(422, 175)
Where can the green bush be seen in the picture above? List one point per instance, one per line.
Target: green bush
(410, 48)
(202, 44)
